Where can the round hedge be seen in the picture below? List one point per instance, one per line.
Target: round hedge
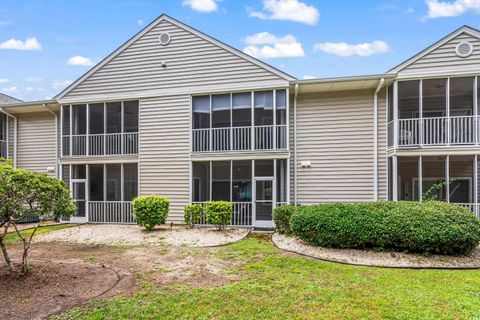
(425, 227)
(150, 210)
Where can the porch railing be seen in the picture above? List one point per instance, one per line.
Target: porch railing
(3, 149)
(110, 212)
(240, 138)
(242, 214)
(456, 130)
(100, 144)
(474, 207)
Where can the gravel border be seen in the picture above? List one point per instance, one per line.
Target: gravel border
(115, 234)
(370, 258)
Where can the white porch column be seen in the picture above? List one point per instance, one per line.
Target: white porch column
(448, 112)
(420, 178)
(395, 114)
(475, 110)
(395, 178)
(475, 184)
(420, 112)
(447, 178)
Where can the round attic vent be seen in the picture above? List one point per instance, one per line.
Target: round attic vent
(164, 39)
(464, 49)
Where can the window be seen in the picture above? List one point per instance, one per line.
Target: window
(201, 181)
(130, 118)
(242, 109)
(3, 126)
(434, 98)
(114, 182)
(281, 107)
(79, 125)
(96, 181)
(242, 181)
(114, 117)
(66, 120)
(130, 181)
(97, 118)
(221, 180)
(408, 99)
(79, 171)
(220, 110)
(263, 168)
(201, 112)
(263, 102)
(461, 96)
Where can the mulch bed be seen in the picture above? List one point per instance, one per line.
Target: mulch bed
(386, 259)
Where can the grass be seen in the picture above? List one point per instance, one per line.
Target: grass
(280, 286)
(12, 237)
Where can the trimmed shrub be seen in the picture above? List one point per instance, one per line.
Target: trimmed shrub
(429, 228)
(219, 213)
(193, 214)
(281, 217)
(150, 210)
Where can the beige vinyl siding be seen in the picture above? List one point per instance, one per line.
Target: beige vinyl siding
(164, 150)
(335, 133)
(11, 136)
(192, 62)
(445, 59)
(36, 141)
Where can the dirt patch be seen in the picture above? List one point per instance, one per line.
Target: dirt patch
(373, 258)
(134, 235)
(66, 274)
(52, 287)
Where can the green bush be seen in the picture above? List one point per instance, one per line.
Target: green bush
(193, 214)
(429, 227)
(281, 217)
(219, 213)
(150, 210)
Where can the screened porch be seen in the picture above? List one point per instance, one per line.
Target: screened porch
(444, 178)
(255, 187)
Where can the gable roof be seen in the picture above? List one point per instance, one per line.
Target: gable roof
(464, 29)
(179, 24)
(6, 99)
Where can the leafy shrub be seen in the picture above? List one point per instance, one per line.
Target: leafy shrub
(219, 213)
(428, 227)
(281, 217)
(150, 210)
(193, 214)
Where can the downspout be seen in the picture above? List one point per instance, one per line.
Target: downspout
(375, 139)
(56, 138)
(295, 145)
(15, 135)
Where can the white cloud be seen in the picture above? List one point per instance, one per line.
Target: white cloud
(201, 5)
(140, 22)
(9, 90)
(60, 84)
(292, 10)
(439, 9)
(308, 77)
(80, 61)
(34, 79)
(27, 45)
(267, 45)
(4, 80)
(346, 50)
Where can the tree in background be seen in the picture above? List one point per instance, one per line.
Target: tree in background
(29, 194)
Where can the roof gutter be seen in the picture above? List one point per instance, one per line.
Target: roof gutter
(56, 138)
(295, 145)
(15, 135)
(375, 139)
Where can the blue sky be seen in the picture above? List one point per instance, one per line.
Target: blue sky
(44, 45)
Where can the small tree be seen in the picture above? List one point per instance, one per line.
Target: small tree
(24, 193)
(193, 214)
(434, 192)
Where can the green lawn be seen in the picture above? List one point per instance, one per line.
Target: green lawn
(277, 286)
(12, 237)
